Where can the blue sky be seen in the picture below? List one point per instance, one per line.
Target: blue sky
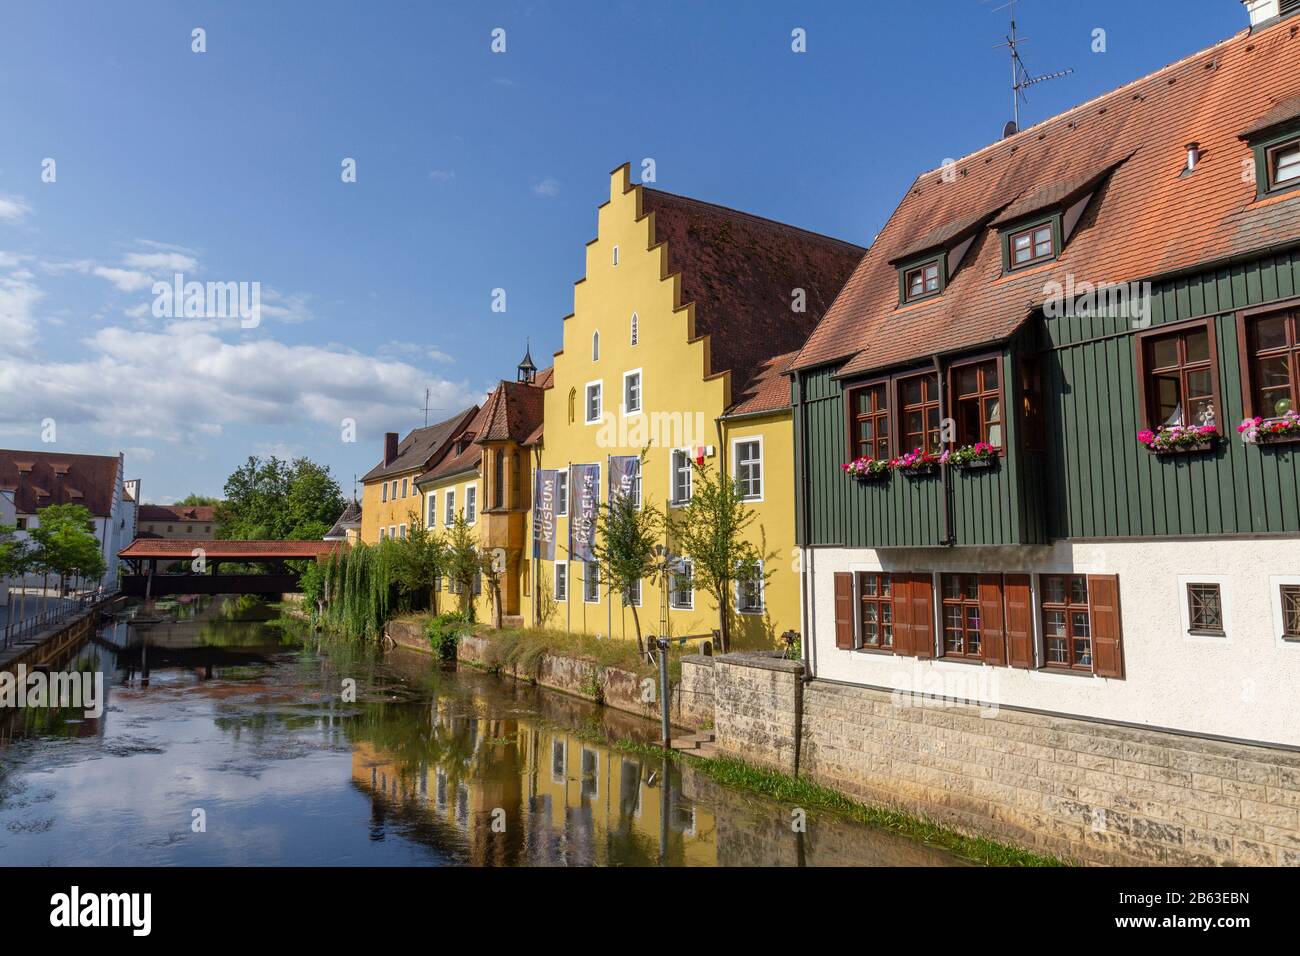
(475, 170)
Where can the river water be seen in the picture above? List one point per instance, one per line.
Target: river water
(226, 740)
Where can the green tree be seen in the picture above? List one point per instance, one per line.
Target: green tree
(198, 501)
(626, 545)
(710, 529)
(275, 499)
(66, 544)
(420, 557)
(461, 561)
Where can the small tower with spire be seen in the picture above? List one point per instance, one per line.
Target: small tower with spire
(527, 370)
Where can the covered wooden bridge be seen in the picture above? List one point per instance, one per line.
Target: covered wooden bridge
(161, 566)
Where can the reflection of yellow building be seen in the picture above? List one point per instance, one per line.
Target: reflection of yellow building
(679, 338)
(515, 793)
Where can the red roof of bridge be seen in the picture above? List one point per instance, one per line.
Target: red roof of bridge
(234, 550)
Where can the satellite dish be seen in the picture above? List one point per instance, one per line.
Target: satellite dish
(1010, 129)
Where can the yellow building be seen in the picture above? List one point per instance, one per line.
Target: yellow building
(485, 473)
(389, 496)
(678, 340)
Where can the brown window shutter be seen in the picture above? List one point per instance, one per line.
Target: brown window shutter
(844, 610)
(992, 626)
(1019, 622)
(901, 592)
(922, 587)
(1103, 607)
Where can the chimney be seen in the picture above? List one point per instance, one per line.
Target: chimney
(1193, 156)
(390, 447)
(1263, 10)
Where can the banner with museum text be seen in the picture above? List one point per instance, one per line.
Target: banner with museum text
(624, 470)
(544, 514)
(584, 486)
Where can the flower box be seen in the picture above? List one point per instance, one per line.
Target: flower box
(1179, 439)
(871, 477)
(864, 469)
(1190, 448)
(1271, 431)
(976, 464)
(1277, 438)
(980, 455)
(920, 471)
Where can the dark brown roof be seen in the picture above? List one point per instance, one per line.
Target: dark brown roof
(200, 513)
(41, 478)
(768, 390)
(453, 462)
(513, 410)
(740, 272)
(1144, 221)
(421, 445)
(351, 518)
(182, 547)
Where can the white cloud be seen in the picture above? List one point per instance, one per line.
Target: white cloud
(547, 187)
(442, 175)
(190, 381)
(127, 280)
(164, 261)
(13, 208)
(18, 297)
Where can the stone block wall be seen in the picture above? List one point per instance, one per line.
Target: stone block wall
(1081, 790)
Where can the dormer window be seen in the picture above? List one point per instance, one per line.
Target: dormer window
(1283, 162)
(1274, 139)
(1033, 245)
(921, 281)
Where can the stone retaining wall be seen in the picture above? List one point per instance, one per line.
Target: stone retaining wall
(1076, 789)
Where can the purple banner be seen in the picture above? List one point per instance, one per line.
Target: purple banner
(544, 514)
(584, 499)
(624, 473)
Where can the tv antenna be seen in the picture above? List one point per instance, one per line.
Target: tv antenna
(1021, 78)
(427, 409)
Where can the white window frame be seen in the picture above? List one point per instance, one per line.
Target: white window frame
(762, 594)
(673, 469)
(635, 337)
(636, 488)
(1225, 601)
(640, 391)
(382, 533)
(672, 588)
(560, 573)
(405, 486)
(586, 571)
(614, 258)
(392, 531)
(1275, 583)
(595, 346)
(449, 508)
(600, 402)
(471, 503)
(432, 510)
(639, 591)
(562, 493)
(401, 532)
(735, 464)
(383, 492)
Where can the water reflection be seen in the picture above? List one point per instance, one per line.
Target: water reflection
(212, 705)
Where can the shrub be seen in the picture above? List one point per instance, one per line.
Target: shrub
(445, 631)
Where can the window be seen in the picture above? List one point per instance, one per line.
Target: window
(477, 587)
(383, 533)
(920, 400)
(1204, 609)
(632, 392)
(21, 524)
(562, 492)
(595, 346)
(1179, 378)
(591, 582)
(962, 628)
(449, 508)
(1283, 164)
(189, 529)
(392, 531)
(1290, 594)
(1067, 625)
(632, 596)
(1274, 348)
(681, 594)
(636, 484)
(207, 529)
(977, 396)
(499, 479)
(681, 477)
(593, 403)
(383, 491)
(876, 620)
(1032, 245)
(615, 257)
(869, 422)
(404, 480)
(749, 591)
(749, 468)
(636, 323)
(393, 493)
(561, 581)
(401, 531)
(921, 281)
(433, 510)
(471, 503)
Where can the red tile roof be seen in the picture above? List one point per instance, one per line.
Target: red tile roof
(421, 445)
(740, 272)
(234, 550)
(1144, 221)
(41, 478)
(513, 412)
(181, 513)
(768, 390)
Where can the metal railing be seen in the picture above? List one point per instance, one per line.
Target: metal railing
(51, 614)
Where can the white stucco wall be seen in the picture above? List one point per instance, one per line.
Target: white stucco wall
(1245, 685)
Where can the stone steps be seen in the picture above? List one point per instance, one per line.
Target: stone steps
(698, 744)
